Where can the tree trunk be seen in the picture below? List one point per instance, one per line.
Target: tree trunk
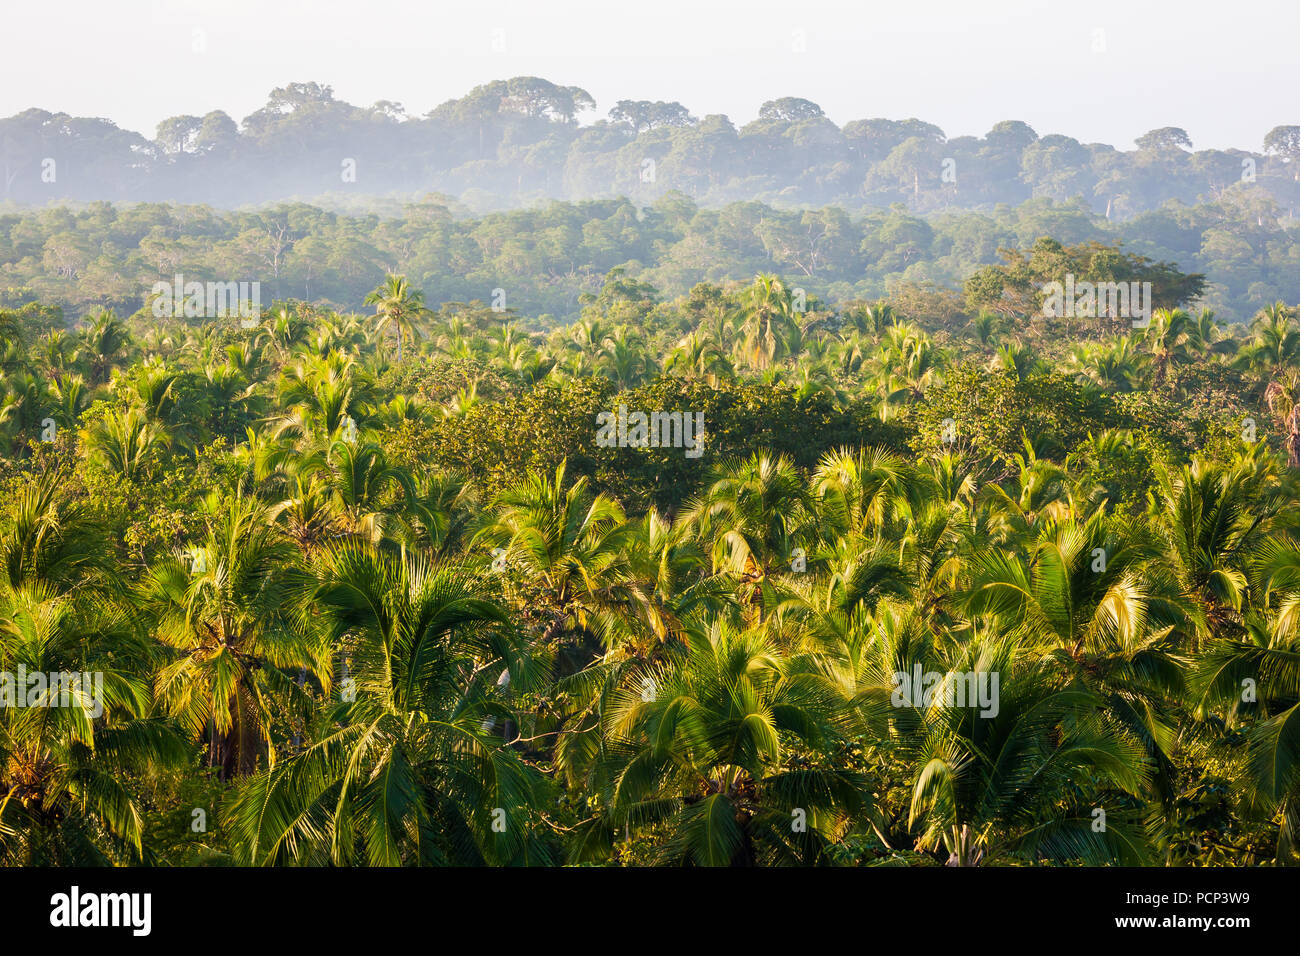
(1293, 437)
(966, 852)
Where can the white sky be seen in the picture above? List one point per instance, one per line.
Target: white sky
(1225, 72)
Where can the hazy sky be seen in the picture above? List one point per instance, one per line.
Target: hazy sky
(1224, 72)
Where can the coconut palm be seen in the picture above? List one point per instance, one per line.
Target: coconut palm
(907, 364)
(319, 397)
(563, 539)
(398, 306)
(623, 359)
(220, 613)
(1116, 366)
(1211, 517)
(76, 762)
(699, 356)
(361, 484)
(440, 513)
(753, 517)
(767, 320)
(103, 344)
(49, 545)
(404, 769)
(1172, 337)
(1019, 359)
(715, 747)
(26, 402)
(996, 787)
(1090, 596)
(1275, 342)
(124, 442)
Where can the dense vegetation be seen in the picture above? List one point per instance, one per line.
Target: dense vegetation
(367, 589)
(542, 261)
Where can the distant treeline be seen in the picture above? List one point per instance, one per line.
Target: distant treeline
(518, 141)
(539, 263)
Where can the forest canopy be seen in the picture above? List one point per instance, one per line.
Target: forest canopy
(545, 260)
(370, 588)
(644, 490)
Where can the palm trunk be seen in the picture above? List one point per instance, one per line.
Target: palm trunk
(966, 852)
(1293, 437)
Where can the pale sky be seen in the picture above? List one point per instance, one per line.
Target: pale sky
(1224, 72)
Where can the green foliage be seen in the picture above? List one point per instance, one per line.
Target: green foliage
(367, 609)
(993, 416)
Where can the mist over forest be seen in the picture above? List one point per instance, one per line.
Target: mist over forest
(523, 140)
(519, 186)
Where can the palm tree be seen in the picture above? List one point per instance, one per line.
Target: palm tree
(76, 763)
(657, 588)
(11, 327)
(527, 365)
(1022, 783)
(440, 514)
(124, 442)
(287, 330)
(222, 617)
(767, 320)
(1090, 596)
(587, 336)
(102, 345)
(623, 360)
(1116, 366)
(152, 390)
(1017, 359)
(699, 355)
(856, 490)
(319, 396)
(907, 365)
(49, 546)
(75, 759)
(850, 354)
(1282, 396)
(460, 404)
(360, 479)
(51, 353)
(398, 305)
(1207, 337)
(307, 513)
(1275, 344)
(1171, 338)
(753, 516)
(717, 747)
(872, 319)
(986, 325)
(402, 771)
(25, 403)
(70, 400)
(1211, 516)
(1266, 658)
(564, 539)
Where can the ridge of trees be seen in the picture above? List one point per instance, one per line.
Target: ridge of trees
(519, 141)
